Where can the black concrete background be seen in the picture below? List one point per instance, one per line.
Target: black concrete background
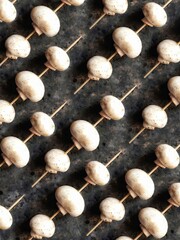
(85, 105)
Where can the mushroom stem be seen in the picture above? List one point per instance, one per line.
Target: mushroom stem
(142, 130)
(39, 179)
(30, 35)
(15, 100)
(29, 137)
(58, 109)
(138, 236)
(73, 44)
(16, 202)
(152, 69)
(3, 61)
(59, 7)
(97, 21)
(94, 228)
(77, 90)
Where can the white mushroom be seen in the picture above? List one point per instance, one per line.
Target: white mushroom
(153, 222)
(111, 7)
(30, 86)
(99, 67)
(45, 21)
(174, 192)
(6, 219)
(42, 226)
(8, 12)
(124, 238)
(127, 42)
(56, 161)
(17, 46)
(69, 200)
(14, 151)
(174, 89)
(57, 59)
(154, 117)
(167, 156)
(111, 210)
(7, 112)
(73, 2)
(42, 124)
(112, 108)
(85, 135)
(139, 183)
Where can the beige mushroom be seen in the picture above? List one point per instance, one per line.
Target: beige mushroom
(56, 161)
(139, 183)
(42, 124)
(14, 151)
(111, 210)
(45, 21)
(57, 59)
(111, 7)
(153, 222)
(167, 156)
(174, 192)
(7, 112)
(155, 15)
(30, 86)
(154, 117)
(99, 67)
(8, 12)
(85, 135)
(42, 226)
(124, 238)
(17, 46)
(73, 2)
(6, 219)
(69, 200)
(127, 42)
(174, 89)
(168, 51)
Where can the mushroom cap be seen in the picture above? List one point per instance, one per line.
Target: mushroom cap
(7, 112)
(74, 2)
(98, 173)
(115, 6)
(6, 219)
(154, 117)
(30, 85)
(153, 221)
(70, 199)
(140, 183)
(8, 12)
(174, 191)
(99, 67)
(57, 161)
(124, 238)
(167, 156)
(127, 42)
(43, 124)
(174, 89)
(42, 226)
(111, 209)
(85, 134)
(15, 151)
(46, 20)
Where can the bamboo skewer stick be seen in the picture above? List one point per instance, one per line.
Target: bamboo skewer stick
(97, 21)
(16, 202)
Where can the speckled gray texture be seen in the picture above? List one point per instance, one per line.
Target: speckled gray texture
(85, 105)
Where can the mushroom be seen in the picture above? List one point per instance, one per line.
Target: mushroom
(154, 117)
(7, 112)
(69, 200)
(17, 46)
(174, 89)
(155, 15)
(57, 161)
(174, 192)
(167, 156)
(85, 135)
(99, 67)
(124, 238)
(112, 108)
(30, 86)
(111, 7)
(45, 21)
(127, 42)
(6, 219)
(14, 151)
(153, 222)
(111, 209)
(139, 183)
(73, 2)
(57, 59)
(42, 124)
(42, 226)
(8, 12)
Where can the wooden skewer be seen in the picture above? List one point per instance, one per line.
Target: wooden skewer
(94, 228)
(3, 61)
(14, 1)
(177, 147)
(166, 4)
(153, 170)
(16, 202)
(59, 7)
(54, 215)
(15, 100)
(29, 137)
(1, 164)
(167, 105)
(112, 56)
(152, 69)
(97, 21)
(138, 236)
(39, 179)
(141, 28)
(125, 197)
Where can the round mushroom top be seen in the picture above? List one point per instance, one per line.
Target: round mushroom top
(174, 89)
(127, 42)
(111, 209)
(74, 2)
(154, 117)
(70, 200)
(6, 219)
(7, 112)
(42, 226)
(14, 151)
(45, 21)
(111, 7)
(56, 161)
(139, 183)
(99, 67)
(155, 15)
(124, 238)
(168, 51)
(29, 86)
(153, 221)
(17, 46)
(84, 135)
(174, 191)
(8, 12)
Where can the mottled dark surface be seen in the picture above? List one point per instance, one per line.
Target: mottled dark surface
(85, 105)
